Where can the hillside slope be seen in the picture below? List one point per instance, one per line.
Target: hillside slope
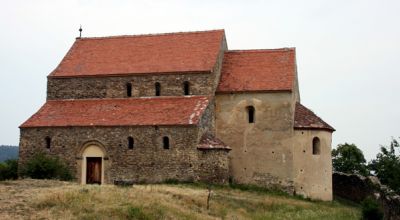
(49, 199)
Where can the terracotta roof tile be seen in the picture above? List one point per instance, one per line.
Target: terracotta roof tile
(304, 118)
(210, 142)
(120, 112)
(140, 54)
(258, 70)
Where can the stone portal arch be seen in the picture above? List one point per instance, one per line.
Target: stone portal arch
(93, 159)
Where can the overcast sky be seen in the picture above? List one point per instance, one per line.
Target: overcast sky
(347, 51)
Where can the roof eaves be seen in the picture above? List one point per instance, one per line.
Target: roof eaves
(253, 91)
(313, 128)
(284, 49)
(108, 126)
(214, 148)
(131, 74)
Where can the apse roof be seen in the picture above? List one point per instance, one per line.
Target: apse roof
(304, 118)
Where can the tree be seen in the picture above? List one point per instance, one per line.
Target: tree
(386, 166)
(347, 158)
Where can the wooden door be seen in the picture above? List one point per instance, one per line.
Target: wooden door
(93, 171)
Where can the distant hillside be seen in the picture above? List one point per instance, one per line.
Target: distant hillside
(8, 152)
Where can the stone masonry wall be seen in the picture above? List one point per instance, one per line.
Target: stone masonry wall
(147, 162)
(356, 188)
(207, 120)
(213, 166)
(115, 87)
(218, 65)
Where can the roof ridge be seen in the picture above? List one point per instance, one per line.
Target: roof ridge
(150, 34)
(262, 50)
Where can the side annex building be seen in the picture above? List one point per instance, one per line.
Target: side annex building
(181, 106)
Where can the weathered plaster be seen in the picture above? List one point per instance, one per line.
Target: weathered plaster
(261, 151)
(312, 173)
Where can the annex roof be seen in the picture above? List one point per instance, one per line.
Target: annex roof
(304, 118)
(210, 142)
(141, 54)
(120, 112)
(258, 70)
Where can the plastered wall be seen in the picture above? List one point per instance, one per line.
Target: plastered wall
(313, 173)
(262, 151)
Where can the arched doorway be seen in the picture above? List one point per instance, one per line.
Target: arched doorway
(92, 165)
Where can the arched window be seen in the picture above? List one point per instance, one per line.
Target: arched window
(129, 89)
(186, 88)
(165, 142)
(131, 142)
(316, 146)
(158, 89)
(250, 114)
(48, 142)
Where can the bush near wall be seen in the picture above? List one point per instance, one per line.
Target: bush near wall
(9, 170)
(371, 209)
(42, 166)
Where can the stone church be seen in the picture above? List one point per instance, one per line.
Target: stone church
(181, 106)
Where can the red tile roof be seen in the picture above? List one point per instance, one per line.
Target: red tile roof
(210, 142)
(120, 112)
(304, 118)
(258, 70)
(140, 54)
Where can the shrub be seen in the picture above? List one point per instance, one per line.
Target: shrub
(41, 166)
(9, 170)
(371, 209)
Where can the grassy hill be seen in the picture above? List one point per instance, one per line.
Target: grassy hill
(8, 152)
(50, 199)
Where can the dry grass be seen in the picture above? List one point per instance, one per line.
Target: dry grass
(47, 199)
